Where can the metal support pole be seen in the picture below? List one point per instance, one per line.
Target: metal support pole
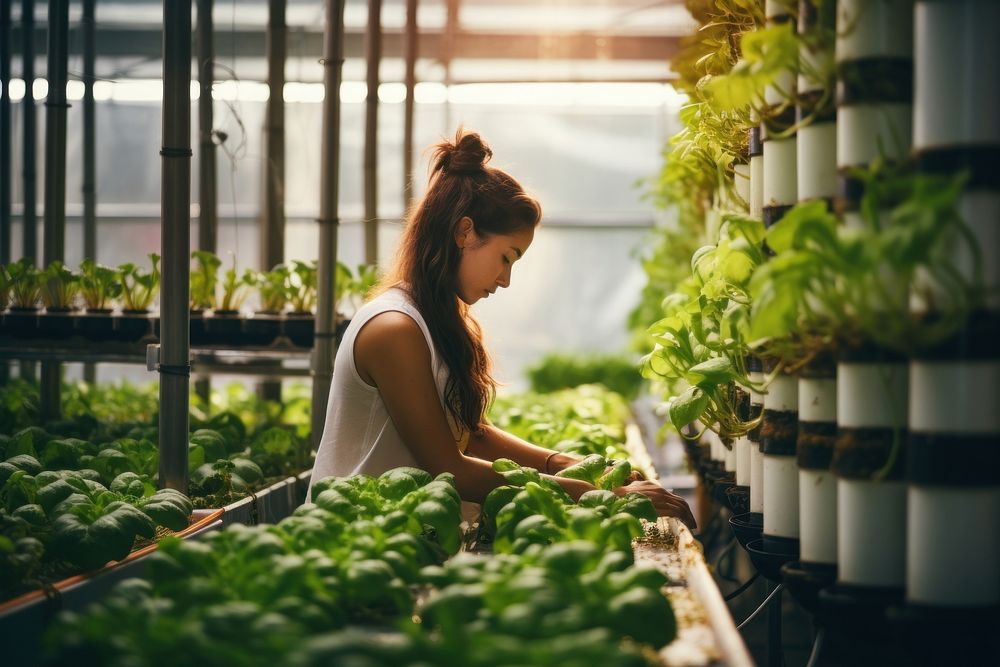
(175, 240)
(207, 186)
(373, 54)
(89, 135)
(323, 350)
(448, 46)
(6, 150)
(29, 223)
(54, 241)
(410, 78)
(272, 247)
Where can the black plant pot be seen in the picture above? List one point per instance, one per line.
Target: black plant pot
(224, 327)
(95, 324)
(261, 328)
(946, 636)
(768, 557)
(56, 323)
(857, 625)
(805, 580)
(747, 527)
(300, 328)
(342, 325)
(197, 324)
(133, 325)
(21, 322)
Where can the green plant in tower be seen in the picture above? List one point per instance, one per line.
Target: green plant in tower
(25, 284)
(59, 286)
(235, 289)
(701, 344)
(204, 278)
(4, 287)
(274, 287)
(138, 287)
(304, 281)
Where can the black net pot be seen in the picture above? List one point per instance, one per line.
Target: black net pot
(931, 635)
(300, 328)
(95, 324)
(768, 559)
(224, 327)
(56, 323)
(857, 622)
(342, 325)
(805, 580)
(133, 325)
(747, 527)
(21, 322)
(261, 328)
(738, 499)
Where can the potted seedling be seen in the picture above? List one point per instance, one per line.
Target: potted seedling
(351, 292)
(300, 323)
(204, 278)
(99, 287)
(59, 289)
(274, 289)
(139, 289)
(4, 291)
(224, 326)
(25, 292)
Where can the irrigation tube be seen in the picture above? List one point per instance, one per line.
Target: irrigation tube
(817, 646)
(762, 607)
(743, 587)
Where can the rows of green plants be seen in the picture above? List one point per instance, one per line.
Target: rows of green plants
(362, 576)
(134, 288)
(807, 285)
(106, 444)
(588, 419)
(553, 372)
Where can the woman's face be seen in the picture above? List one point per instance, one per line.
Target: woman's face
(487, 260)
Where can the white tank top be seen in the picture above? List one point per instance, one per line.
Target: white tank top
(359, 436)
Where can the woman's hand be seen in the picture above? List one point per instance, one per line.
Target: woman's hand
(665, 502)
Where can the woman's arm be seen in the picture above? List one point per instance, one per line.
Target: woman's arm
(492, 443)
(391, 353)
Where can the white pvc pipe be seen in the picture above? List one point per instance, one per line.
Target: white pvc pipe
(872, 395)
(864, 131)
(756, 186)
(957, 90)
(952, 546)
(871, 533)
(874, 28)
(756, 478)
(955, 397)
(756, 398)
(980, 210)
(742, 448)
(812, 61)
(775, 8)
(817, 400)
(782, 90)
(730, 458)
(818, 516)
(782, 394)
(781, 496)
(780, 173)
(741, 179)
(817, 161)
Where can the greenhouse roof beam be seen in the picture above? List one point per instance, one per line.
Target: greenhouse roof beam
(144, 41)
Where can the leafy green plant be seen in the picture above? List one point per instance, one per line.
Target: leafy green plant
(274, 287)
(139, 288)
(235, 289)
(304, 281)
(25, 284)
(204, 279)
(60, 286)
(99, 285)
(4, 287)
(561, 371)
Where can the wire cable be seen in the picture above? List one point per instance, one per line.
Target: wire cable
(762, 607)
(739, 591)
(817, 646)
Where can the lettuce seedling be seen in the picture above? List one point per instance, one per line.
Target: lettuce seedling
(99, 285)
(204, 279)
(59, 286)
(139, 288)
(25, 284)
(275, 288)
(304, 280)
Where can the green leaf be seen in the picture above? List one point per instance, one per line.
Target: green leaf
(688, 407)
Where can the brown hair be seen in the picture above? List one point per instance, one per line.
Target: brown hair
(460, 185)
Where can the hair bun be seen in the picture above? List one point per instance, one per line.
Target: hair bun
(467, 155)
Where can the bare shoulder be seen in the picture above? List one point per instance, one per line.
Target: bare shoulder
(389, 340)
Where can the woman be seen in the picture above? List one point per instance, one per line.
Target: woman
(413, 381)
